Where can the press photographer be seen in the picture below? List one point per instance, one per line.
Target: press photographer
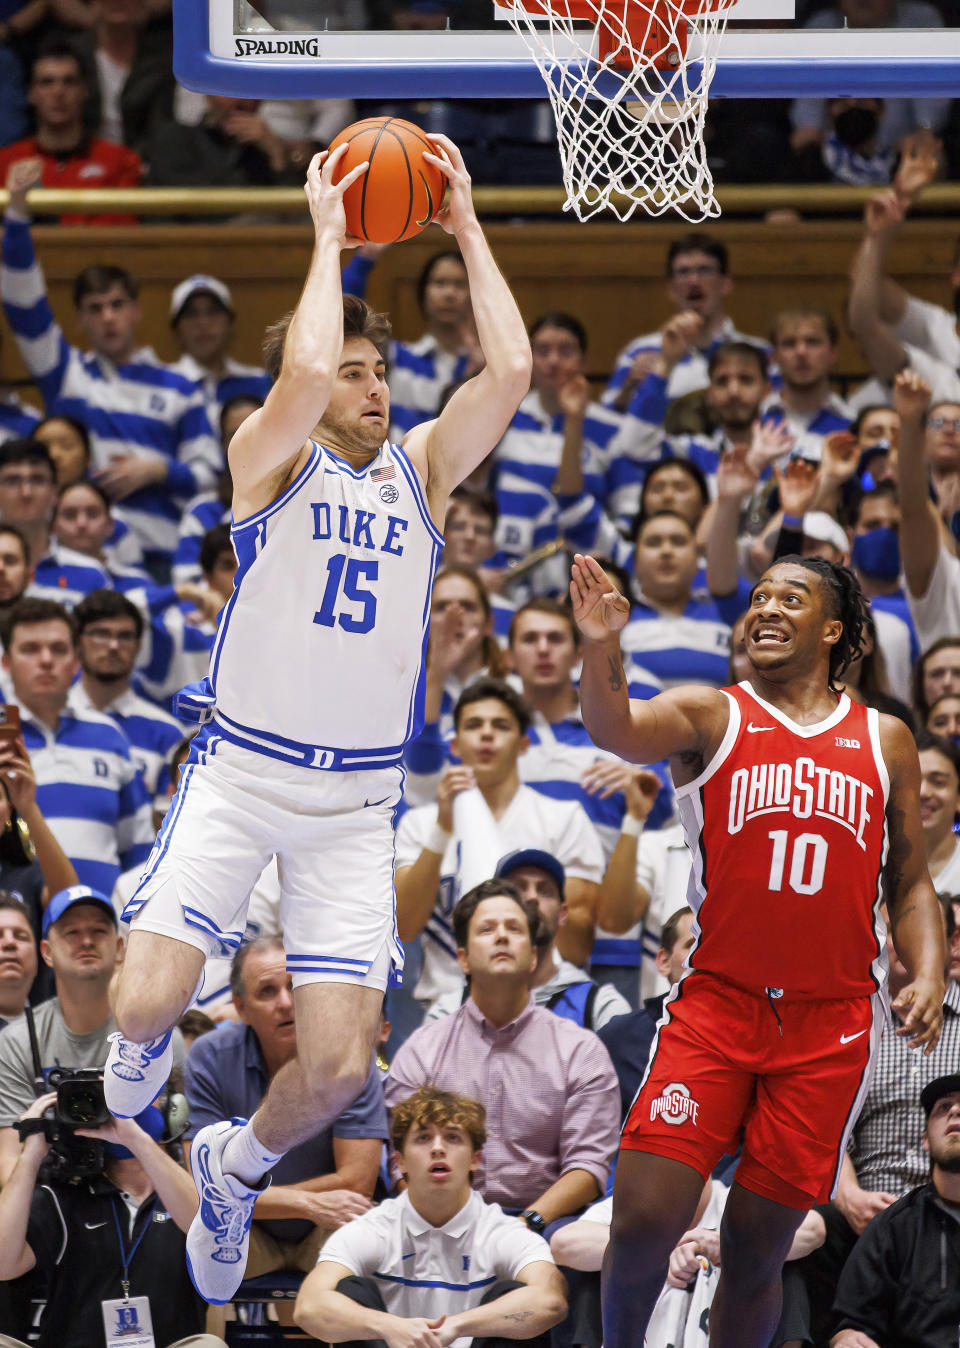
(112, 1243)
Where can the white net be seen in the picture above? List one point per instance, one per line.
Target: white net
(630, 108)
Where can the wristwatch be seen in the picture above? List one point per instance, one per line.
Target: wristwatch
(534, 1221)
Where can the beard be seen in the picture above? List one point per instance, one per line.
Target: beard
(355, 435)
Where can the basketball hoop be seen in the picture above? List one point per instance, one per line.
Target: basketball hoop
(628, 81)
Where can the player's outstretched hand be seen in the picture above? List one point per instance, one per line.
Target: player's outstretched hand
(920, 1007)
(458, 211)
(599, 609)
(325, 197)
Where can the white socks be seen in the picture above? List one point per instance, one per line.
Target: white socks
(246, 1157)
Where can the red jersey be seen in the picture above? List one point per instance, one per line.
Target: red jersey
(787, 830)
(94, 163)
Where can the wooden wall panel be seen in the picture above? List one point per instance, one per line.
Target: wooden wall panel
(609, 275)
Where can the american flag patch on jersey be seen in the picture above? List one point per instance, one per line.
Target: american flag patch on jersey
(381, 474)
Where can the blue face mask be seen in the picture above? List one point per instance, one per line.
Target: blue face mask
(151, 1121)
(877, 553)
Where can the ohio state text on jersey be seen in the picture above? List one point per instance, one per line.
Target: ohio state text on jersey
(787, 830)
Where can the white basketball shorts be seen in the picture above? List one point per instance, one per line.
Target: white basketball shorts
(332, 834)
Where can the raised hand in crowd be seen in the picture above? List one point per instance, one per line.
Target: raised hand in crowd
(23, 175)
(797, 484)
(677, 336)
(574, 397)
(921, 160)
(606, 776)
(736, 478)
(839, 458)
(770, 441)
(16, 772)
(457, 778)
(883, 214)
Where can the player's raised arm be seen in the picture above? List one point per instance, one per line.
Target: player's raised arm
(684, 722)
(271, 438)
(916, 922)
(448, 449)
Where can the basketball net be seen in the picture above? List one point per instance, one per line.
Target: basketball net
(630, 109)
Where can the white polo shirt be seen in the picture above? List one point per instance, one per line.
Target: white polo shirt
(425, 1270)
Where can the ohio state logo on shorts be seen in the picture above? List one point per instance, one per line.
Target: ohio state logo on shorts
(675, 1105)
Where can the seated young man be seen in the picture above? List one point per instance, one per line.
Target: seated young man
(437, 1266)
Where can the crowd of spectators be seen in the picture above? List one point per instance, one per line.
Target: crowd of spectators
(540, 883)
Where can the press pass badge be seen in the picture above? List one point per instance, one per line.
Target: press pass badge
(127, 1321)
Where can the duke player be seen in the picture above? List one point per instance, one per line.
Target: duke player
(315, 686)
(800, 812)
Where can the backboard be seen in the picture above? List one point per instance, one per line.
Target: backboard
(467, 49)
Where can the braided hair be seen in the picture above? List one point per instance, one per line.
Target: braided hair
(847, 603)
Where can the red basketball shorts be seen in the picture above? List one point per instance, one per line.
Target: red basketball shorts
(789, 1076)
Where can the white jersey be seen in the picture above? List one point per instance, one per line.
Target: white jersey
(319, 656)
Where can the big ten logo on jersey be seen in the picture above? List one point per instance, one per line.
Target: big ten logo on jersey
(348, 601)
(801, 789)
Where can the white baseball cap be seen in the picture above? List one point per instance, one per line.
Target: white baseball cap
(199, 285)
(823, 528)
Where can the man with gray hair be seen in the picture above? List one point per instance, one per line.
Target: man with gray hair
(321, 1183)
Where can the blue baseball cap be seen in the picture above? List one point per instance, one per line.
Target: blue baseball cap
(531, 856)
(66, 898)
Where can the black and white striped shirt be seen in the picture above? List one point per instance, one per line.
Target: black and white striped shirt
(887, 1147)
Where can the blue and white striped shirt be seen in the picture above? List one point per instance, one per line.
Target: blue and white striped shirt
(419, 373)
(235, 380)
(689, 373)
(692, 647)
(809, 432)
(202, 514)
(150, 732)
(16, 418)
(67, 576)
(141, 407)
(91, 794)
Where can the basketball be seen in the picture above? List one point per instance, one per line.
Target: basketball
(400, 192)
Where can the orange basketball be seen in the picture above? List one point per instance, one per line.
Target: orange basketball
(400, 192)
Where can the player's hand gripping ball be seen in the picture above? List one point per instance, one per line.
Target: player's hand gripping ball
(400, 192)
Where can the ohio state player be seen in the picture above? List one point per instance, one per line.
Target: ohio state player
(800, 809)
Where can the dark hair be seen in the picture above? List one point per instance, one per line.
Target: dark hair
(926, 740)
(697, 241)
(236, 401)
(359, 320)
(919, 700)
(556, 318)
(492, 655)
(466, 906)
(215, 542)
(949, 916)
(618, 574)
(429, 1104)
(100, 604)
(98, 278)
(806, 311)
(692, 470)
(542, 604)
(16, 533)
(240, 958)
(936, 703)
(426, 271)
(847, 603)
(90, 485)
(741, 351)
(643, 520)
(670, 931)
(14, 905)
(25, 449)
(57, 48)
(481, 689)
(482, 502)
(868, 411)
(179, 754)
(27, 612)
(78, 428)
(195, 1022)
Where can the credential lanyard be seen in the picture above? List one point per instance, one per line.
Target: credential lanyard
(126, 1256)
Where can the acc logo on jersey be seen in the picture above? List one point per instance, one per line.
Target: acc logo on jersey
(389, 493)
(675, 1105)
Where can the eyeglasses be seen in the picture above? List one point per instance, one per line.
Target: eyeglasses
(26, 480)
(103, 636)
(938, 424)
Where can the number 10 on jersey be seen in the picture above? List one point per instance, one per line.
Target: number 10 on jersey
(344, 577)
(808, 862)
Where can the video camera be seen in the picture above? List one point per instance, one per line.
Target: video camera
(79, 1104)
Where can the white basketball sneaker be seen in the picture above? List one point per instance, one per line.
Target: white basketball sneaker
(135, 1074)
(219, 1235)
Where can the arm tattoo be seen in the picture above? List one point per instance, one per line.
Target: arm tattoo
(518, 1316)
(615, 677)
(901, 850)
